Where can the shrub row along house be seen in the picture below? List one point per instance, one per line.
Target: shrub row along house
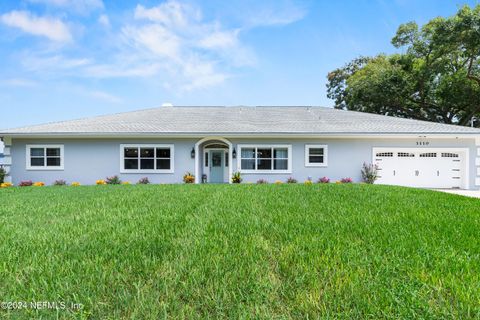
(270, 143)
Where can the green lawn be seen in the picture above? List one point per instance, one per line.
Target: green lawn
(240, 251)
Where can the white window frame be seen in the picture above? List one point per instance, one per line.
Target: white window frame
(139, 145)
(307, 155)
(44, 167)
(256, 171)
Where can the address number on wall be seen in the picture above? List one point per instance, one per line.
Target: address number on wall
(423, 143)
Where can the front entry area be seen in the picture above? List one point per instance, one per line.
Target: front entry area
(422, 167)
(216, 165)
(213, 156)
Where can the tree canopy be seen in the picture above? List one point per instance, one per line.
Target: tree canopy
(435, 78)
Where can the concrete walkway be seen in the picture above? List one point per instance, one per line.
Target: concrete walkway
(466, 193)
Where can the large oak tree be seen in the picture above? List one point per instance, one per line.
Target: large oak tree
(436, 78)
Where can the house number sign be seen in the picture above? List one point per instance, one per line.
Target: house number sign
(423, 143)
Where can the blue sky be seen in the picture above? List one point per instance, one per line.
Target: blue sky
(65, 59)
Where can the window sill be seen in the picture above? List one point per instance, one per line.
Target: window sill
(316, 165)
(45, 169)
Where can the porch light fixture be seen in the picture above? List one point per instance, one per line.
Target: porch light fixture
(234, 154)
(192, 153)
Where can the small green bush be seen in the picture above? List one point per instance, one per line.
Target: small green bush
(236, 177)
(113, 180)
(369, 173)
(3, 173)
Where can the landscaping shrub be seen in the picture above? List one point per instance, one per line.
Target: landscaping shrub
(113, 180)
(100, 182)
(39, 184)
(369, 173)
(308, 182)
(236, 177)
(143, 181)
(346, 180)
(291, 180)
(60, 183)
(6, 185)
(26, 183)
(75, 184)
(189, 178)
(127, 183)
(278, 182)
(324, 180)
(3, 173)
(262, 181)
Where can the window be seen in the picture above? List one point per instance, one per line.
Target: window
(146, 158)
(316, 155)
(269, 159)
(44, 157)
(449, 155)
(405, 155)
(428, 155)
(384, 154)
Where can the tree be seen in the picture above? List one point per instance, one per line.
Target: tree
(437, 78)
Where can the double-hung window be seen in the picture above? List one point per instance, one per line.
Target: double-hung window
(316, 155)
(156, 158)
(44, 157)
(267, 159)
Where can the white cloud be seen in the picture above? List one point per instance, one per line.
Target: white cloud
(175, 38)
(80, 6)
(57, 62)
(171, 43)
(52, 28)
(154, 38)
(170, 14)
(220, 39)
(104, 20)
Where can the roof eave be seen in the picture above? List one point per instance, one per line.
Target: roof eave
(38, 135)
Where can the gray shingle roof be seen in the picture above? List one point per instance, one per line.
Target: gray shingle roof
(242, 120)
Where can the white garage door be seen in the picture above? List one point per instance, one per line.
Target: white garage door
(421, 167)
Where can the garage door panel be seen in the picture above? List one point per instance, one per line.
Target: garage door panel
(420, 167)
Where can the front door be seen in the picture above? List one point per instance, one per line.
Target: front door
(217, 166)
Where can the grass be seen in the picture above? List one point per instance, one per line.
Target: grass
(240, 251)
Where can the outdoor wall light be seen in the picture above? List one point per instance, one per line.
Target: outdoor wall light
(192, 153)
(234, 154)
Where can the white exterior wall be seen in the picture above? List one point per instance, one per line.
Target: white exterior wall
(87, 160)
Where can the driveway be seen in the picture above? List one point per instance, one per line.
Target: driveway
(466, 193)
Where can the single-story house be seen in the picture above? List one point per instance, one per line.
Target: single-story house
(271, 143)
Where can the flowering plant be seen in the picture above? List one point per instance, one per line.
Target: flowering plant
(113, 180)
(100, 182)
(126, 183)
(60, 183)
(143, 181)
(324, 180)
(75, 184)
(278, 182)
(6, 185)
(188, 178)
(291, 180)
(26, 183)
(39, 184)
(369, 173)
(262, 181)
(236, 177)
(346, 180)
(308, 182)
